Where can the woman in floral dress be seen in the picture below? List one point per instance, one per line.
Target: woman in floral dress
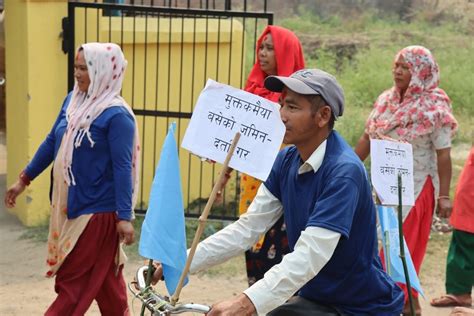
(417, 111)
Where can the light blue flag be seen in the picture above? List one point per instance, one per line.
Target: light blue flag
(163, 236)
(390, 240)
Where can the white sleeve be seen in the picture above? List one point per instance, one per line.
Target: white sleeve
(313, 250)
(239, 236)
(441, 137)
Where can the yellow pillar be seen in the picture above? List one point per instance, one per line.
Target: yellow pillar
(36, 71)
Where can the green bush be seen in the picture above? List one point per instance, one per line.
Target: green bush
(366, 72)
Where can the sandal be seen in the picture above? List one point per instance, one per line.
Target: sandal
(450, 300)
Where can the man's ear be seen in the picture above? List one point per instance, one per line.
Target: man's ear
(324, 114)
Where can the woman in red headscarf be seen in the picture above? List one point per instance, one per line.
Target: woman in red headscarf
(279, 52)
(417, 111)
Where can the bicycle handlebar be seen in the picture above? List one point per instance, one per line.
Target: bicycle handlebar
(157, 304)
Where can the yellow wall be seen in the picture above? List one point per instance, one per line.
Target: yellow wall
(36, 70)
(37, 84)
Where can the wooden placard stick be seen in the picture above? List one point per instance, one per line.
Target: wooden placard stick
(203, 219)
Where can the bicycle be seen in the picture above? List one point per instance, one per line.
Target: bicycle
(160, 305)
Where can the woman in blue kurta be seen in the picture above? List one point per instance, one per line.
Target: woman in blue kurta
(94, 147)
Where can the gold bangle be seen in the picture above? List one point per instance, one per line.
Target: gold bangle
(443, 197)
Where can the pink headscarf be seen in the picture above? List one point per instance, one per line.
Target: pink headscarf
(106, 65)
(425, 106)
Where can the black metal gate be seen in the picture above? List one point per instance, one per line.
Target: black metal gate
(172, 48)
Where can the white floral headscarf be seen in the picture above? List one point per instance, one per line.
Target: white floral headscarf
(106, 65)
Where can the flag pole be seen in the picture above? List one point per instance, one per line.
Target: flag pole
(202, 220)
(402, 245)
(387, 252)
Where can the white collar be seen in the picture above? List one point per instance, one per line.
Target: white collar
(315, 160)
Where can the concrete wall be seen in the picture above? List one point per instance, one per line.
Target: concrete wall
(35, 71)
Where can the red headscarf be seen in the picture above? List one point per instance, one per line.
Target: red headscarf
(288, 56)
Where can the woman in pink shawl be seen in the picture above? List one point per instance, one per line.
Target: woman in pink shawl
(417, 111)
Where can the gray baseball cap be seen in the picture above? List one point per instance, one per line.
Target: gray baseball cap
(311, 81)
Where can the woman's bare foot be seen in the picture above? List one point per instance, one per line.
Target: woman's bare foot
(462, 311)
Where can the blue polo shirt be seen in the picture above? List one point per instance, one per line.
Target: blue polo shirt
(103, 173)
(338, 198)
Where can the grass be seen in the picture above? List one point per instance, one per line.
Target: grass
(37, 233)
(360, 52)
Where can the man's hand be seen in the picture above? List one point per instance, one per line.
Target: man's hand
(157, 273)
(13, 192)
(126, 232)
(227, 175)
(444, 208)
(239, 306)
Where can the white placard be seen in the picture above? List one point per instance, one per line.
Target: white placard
(388, 159)
(220, 112)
